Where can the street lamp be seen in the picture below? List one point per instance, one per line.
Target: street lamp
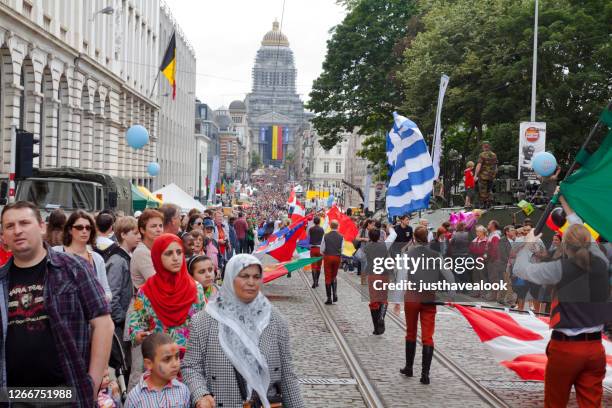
(108, 10)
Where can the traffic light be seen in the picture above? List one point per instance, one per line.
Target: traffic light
(24, 157)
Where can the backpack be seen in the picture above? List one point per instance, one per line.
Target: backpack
(108, 252)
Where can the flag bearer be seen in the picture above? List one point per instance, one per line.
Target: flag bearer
(420, 305)
(315, 236)
(579, 311)
(331, 248)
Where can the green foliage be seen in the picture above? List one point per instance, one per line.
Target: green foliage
(486, 49)
(384, 57)
(357, 88)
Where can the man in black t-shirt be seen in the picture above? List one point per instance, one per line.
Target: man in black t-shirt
(58, 329)
(403, 230)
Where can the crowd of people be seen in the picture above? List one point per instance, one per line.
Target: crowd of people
(166, 309)
(171, 301)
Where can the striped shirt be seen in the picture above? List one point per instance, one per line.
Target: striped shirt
(175, 394)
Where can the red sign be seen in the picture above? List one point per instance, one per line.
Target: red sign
(532, 134)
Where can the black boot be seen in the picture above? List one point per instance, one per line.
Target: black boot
(410, 350)
(328, 291)
(314, 280)
(317, 274)
(381, 318)
(375, 316)
(427, 356)
(334, 286)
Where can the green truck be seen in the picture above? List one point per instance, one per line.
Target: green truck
(71, 189)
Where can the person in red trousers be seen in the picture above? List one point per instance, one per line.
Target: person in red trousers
(420, 305)
(579, 310)
(331, 248)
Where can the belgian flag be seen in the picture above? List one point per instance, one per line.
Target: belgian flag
(168, 65)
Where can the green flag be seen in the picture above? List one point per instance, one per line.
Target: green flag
(589, 189)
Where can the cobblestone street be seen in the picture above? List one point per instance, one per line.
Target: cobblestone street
(317, 356)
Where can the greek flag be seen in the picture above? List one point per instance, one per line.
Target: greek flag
(410, 168)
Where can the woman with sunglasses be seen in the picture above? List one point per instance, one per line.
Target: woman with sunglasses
(168, 299)
(79, 239)
(195, 223)
(203, 271)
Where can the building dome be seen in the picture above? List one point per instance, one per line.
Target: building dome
(275, 37)
(237, 106)
(223, 119)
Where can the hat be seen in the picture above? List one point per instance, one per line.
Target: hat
(137, 214)
(208, 223)
(484, 142)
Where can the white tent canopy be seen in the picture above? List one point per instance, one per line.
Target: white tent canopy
(174, 195)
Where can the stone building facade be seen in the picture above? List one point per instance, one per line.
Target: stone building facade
(78, 79)
(273, 100)
(328, 167)
(176, 144)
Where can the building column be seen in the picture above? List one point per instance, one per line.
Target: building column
(98, 143)
(49, 142)
(11, 97)
(111, 147)
(87, 134)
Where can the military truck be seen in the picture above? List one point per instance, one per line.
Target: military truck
(71, 188)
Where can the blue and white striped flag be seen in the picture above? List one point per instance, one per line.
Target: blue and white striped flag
(410, 166)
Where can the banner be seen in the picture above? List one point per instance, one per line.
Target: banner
(214, 177)
(532, 140)
(310, 194)
(436, 147)
(276, 152)
(366, 190)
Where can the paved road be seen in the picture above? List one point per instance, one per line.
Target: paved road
(317, 356)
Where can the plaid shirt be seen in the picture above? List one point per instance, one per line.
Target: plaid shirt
(175, 394)
(72, 297)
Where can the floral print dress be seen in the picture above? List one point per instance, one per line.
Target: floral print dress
(144, 318)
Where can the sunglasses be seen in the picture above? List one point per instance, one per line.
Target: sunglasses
(82, 227)
(197, 223)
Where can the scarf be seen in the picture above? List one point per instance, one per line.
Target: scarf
(240, 327)
(170, 294)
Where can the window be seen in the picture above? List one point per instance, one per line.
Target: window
(325, 167)
(339, 149)
(27, 9)
(325, 184)
(338, 167)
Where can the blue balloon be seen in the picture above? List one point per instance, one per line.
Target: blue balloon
(544, 164)
(137, 136)
(153, 169)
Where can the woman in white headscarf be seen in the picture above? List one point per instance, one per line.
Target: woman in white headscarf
(239, 346)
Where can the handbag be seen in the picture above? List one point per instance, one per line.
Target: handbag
(254, 402)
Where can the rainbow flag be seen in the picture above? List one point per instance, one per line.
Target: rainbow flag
(277, 143)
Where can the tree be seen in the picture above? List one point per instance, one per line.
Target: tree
(358, 88)
(486, 49)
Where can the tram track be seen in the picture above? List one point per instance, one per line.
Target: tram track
(482, 391)
(366, 388)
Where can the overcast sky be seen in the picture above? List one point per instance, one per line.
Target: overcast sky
(226, 35)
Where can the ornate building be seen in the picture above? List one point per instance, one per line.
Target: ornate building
(273, 101)
(77, 75)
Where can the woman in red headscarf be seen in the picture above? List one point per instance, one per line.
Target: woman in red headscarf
(168, 300)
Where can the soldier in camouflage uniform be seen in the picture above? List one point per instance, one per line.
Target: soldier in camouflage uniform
(486, 170)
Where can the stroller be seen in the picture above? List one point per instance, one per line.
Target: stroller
(118, 362)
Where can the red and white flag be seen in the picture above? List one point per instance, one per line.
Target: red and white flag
(518, 340)
(291, 200)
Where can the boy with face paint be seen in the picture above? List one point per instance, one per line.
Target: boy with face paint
(158, 386)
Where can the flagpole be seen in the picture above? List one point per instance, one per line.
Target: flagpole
(154, 83)
(553, 201)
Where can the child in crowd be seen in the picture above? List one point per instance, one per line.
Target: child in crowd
(469, 183)
(198, 242)
(109, 395)
(202, 270)
(158, 386)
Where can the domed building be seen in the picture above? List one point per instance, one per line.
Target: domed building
(274, 110)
